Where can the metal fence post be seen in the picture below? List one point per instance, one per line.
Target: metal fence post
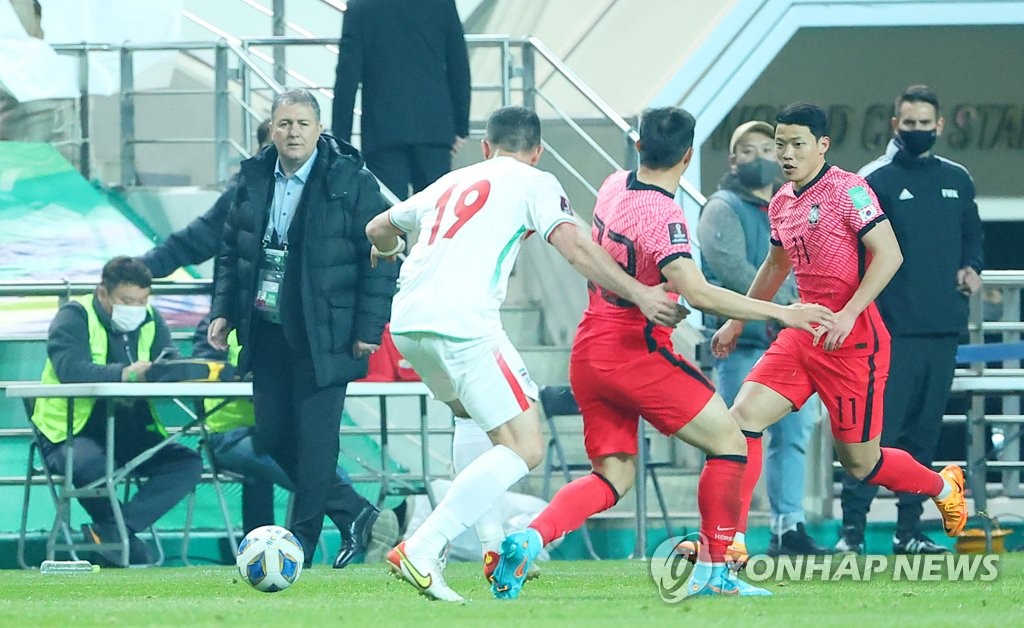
(246, 81)
(84, 148)
(220, 110)
(128, 173)
(279, 51)
(529, 77)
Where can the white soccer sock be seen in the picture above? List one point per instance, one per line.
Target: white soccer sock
(469, 443)
(472, 494)
(947, 488)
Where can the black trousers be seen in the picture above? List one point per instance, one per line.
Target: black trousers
(172, 472)
(416, 165)
(920, 376)
(297, 423)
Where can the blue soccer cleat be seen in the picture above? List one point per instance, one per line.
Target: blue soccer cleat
(708, 579)
(518, 552)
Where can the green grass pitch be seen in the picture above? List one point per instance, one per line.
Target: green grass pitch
(584, 593)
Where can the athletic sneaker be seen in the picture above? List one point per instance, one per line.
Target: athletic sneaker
(954, 507)
(518, 551)
(708, 579)
(491, 562)
(851, 541)
(425, 574)
(916, 544)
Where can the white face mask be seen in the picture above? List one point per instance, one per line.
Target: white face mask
(127, 318)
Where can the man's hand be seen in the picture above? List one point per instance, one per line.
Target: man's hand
(135, 372)
(458, 144)
(217, 333)
(808, 317)
(375, 256)
(362, 349)
(837, 332)
(659, 307)
(724, 341)
(967, 281)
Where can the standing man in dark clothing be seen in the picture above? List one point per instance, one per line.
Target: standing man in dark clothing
(410, 56)
(930, 203)
(294, 279)
(112, 335)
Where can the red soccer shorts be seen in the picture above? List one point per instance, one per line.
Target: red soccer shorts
(662, 387)
(851, 386)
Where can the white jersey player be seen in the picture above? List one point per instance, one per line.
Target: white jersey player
(445, 319)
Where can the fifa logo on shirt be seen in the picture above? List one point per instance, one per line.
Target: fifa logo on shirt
(814, 215)
(677, 233)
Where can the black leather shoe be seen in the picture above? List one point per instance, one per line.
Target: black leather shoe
(356, 538)
(796, 543)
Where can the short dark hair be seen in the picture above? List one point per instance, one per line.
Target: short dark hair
(263, 132)
(917, 93)
(515, 129)
(125, 270)
(296, 97)
(805, 114)
(666, 134)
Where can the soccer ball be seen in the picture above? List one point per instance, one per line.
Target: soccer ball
(270, 558)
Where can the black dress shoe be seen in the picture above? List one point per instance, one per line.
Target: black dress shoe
(356, 538)
(796, 543)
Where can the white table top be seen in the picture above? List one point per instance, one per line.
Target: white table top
(195, 389)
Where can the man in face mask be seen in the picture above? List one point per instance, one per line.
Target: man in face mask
(733, 234)
(930, 203)
(113, 335)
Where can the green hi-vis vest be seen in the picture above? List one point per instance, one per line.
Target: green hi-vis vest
(233, 414)
(51, 414)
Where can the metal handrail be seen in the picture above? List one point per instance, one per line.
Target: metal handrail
(604, 107)
(189, 287)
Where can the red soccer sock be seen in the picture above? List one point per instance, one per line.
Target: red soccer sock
(751, 475)
(719, 505)
(899, 472)
(573, 504)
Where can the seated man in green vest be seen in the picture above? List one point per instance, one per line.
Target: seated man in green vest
(113, 335)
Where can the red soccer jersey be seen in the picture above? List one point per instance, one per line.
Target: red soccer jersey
(643, 229)
(820, 229)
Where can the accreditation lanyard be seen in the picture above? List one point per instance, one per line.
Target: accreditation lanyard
(271, 277)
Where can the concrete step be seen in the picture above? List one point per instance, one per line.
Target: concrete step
(524, 325)
(547, 365)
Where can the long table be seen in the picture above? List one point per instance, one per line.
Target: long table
(195, 391)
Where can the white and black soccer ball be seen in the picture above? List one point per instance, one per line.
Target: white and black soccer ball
(270, 558)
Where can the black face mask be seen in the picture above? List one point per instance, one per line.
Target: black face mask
(916, 142)
(758, 173)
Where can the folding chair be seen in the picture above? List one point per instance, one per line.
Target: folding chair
(38, 473)
(558, 401)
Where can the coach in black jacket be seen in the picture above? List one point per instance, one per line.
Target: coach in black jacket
(930, 202)
(410, 56)
(331, 306)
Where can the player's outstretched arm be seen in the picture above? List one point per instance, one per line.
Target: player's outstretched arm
(386, 238)
(886, 258)
(594, 263)
(687, 279)
(769, 277)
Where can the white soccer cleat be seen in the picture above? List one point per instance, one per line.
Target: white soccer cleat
(425, 574)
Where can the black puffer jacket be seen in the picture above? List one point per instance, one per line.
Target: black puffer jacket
(342, 299)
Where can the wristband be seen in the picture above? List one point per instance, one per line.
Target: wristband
(398, 248)
(133, 376)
